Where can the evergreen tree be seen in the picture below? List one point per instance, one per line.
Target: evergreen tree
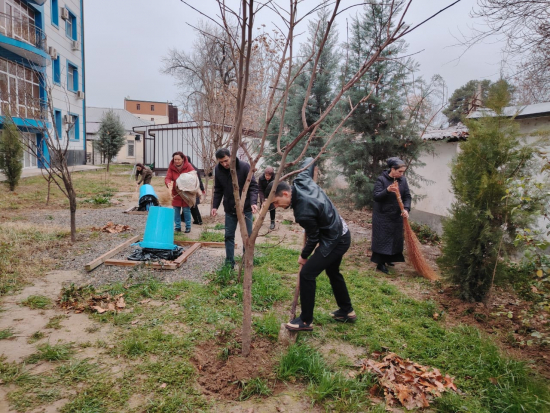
(111, 136)
(11, 152)
(463, 97)
(485, 217)
(321, 92)
(379, 128)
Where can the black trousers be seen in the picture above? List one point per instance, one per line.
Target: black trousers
(315, 266)
(196, 214)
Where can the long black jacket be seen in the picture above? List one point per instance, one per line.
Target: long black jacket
(315, 212)
(387, 222)
(223, 188)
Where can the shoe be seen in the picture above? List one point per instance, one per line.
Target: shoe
(199, 223)
(382, 268)
(341, 315)
(391, 264)
(298, 325)
(177, 230)
(187, 230)
(272, 226)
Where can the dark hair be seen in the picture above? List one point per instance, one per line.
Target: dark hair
(180, 153)
(222, 153)
(282, 186)
(141, 166)
(395, 163)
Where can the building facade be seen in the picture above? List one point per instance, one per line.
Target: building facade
(131, 152)
(157, 112)
(41, 58)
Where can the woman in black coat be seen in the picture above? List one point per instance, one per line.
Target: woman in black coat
(387, 219)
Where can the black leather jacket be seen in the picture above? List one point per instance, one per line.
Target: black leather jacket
(315, 212)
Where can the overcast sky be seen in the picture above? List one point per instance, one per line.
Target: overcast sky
(125, 41)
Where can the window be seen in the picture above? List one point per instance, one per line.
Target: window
(70, 27)
(138, 106)
(55, 13)
(152, 119)
(130, 148)
(74, 128)
(72, 77)
(57, 70)
(152, 108)
(20, 90)
(58, 123)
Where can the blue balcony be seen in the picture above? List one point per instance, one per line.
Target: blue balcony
(22, 37)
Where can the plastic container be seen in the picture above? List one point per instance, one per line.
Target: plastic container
(147, 190)
(159, 229)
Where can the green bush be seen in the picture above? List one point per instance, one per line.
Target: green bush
(11, 152)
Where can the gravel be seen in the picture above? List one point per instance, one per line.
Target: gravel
(92, 244)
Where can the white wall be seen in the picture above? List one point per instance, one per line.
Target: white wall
(158, 119)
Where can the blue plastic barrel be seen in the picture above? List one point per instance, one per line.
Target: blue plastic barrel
(147, 190)
(159, 229)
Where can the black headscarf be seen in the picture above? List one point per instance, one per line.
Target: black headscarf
(395, 163)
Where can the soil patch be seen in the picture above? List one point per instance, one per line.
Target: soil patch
(223, 370)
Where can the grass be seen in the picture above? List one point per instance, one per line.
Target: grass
(287, 222)
(6, 333)
(37, 302)
(16, 240)
(36, 336)
(47, 352)
(55, 322)
(154, 346)
(211, 236)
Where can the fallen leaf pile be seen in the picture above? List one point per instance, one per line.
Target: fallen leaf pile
(100, 303)
(410, 384)
(112, 228)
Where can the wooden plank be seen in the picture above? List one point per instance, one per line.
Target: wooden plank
(101, 259)
(203, 243)
(129, 209)
(128, 263)
(186, 254)
(134, 211)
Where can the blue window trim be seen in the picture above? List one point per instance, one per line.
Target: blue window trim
(58, 126)
(76, 127)
(58, 65)
(55, 13)
(83, 74)
(72, 17)
(75, 78)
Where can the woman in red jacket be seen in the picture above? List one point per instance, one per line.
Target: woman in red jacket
(178, 166)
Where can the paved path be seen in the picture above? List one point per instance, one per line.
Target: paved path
(37, 171)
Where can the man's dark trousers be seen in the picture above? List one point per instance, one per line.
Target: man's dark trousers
(315, 266)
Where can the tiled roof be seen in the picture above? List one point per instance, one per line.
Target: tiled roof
(537, 109)
(454, 133)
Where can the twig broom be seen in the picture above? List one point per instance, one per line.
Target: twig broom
(414, 248)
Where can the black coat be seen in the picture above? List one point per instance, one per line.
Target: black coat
(387, 222)
(314, 211)
(263, 183)
(223, 188)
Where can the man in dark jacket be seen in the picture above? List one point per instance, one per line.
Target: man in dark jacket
(223, 189)
(267, 177)
(327, 231)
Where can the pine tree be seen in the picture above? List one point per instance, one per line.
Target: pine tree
(111, 136)
(321, 92)
(485, 217)
(11, 152)
(463, 97)
(379, 128)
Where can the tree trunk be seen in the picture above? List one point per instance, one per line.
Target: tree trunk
(49, 187)
(72, 204)
(248, 263)
(108, 163)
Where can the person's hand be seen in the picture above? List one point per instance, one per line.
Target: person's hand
(393, 188)
(254, 209)
(302, 261)
(204, 192)
(170, 186)
(405, 214)
(214, 212)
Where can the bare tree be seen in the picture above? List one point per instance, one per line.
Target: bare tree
(53, 150)
(526, 27)
(286, 71)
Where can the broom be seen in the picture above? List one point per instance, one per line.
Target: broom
(414, 248)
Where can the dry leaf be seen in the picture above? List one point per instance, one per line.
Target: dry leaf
(99, 309)
(493, 380)
(163, 386)
(111, 307)
(120, 303)
(135, 322)
(435, 316)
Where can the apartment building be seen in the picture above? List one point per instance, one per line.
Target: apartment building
(41, 49)
(157, 112)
